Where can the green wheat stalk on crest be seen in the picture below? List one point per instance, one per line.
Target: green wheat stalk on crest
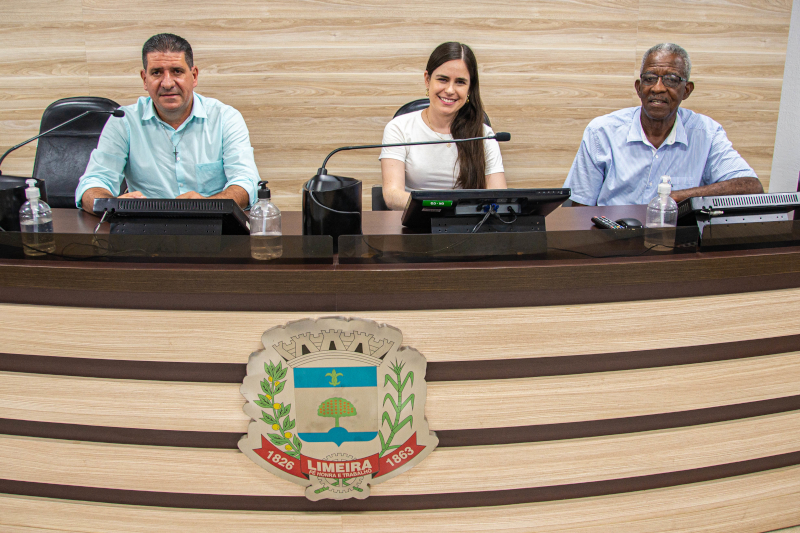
(399, 384)
(272, 386)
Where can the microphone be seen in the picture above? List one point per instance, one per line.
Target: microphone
(119, 113)
(501, 136)
(325, 220)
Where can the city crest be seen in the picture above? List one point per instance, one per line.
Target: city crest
(337, 405)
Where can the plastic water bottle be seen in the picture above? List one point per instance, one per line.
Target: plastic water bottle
(265, 226)
(36, 223)
(662, 213)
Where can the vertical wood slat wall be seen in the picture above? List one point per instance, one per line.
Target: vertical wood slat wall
(309, 76)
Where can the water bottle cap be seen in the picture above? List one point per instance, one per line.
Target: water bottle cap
(32, 191)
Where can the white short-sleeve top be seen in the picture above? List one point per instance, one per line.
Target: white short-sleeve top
(433, 166)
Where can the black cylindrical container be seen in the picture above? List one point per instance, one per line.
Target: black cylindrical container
(12, 196)
(332, 206)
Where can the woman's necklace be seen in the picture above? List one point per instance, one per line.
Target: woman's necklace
(428, 122)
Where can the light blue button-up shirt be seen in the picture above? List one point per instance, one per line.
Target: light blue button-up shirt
(617, 165)
(212, 145)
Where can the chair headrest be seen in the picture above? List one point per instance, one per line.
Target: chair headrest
(61, 111)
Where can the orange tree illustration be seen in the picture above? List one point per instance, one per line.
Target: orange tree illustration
(398, 404)
(336, 408)
(278, 416)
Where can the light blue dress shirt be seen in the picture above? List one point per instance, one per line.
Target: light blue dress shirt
(617, 165)
(213, 153)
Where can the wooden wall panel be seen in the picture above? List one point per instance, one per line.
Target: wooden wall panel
(763, 501)
(332, 73)
(217, 407)
(217, 471)
(441, 335)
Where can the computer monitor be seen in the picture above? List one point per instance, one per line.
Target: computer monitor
(146, 216)
(481, 210)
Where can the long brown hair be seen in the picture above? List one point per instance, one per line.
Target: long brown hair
(469, 120)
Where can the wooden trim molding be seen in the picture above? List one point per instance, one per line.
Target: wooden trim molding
(400, 502)
(351, 288)
(447, 438)
(437, 370)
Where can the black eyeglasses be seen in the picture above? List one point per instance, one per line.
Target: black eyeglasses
(670, 80)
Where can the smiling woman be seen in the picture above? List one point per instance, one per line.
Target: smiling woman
(455, 112)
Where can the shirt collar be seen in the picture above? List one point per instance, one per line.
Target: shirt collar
(198, 110)
(677, 134)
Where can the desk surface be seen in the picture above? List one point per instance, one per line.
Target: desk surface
(401, 286)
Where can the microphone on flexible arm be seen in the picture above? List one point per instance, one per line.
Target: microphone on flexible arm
(119, 113)
(501, 136)
(342, 215)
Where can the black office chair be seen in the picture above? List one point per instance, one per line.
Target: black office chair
(62, 156)
(422, 103)
(378, 204)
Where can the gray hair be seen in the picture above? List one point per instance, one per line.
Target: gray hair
(167, 42)
(670, 48)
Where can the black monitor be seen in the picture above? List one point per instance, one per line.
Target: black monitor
(146, 216)
(481, 210)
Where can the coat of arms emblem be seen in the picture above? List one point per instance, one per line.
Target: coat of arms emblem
(337, 405)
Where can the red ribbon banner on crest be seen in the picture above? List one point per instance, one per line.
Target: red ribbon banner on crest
(400, 456)
(280, 460)
(307, 466)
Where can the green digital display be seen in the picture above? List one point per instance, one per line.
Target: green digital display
(437, 203)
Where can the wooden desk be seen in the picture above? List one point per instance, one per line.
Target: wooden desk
(658, 393)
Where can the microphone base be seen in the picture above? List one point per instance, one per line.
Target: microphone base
(331, 194)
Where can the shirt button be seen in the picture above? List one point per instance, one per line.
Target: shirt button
(656, 157)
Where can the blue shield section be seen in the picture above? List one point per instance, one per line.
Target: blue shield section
(349, 376)
(358, 385)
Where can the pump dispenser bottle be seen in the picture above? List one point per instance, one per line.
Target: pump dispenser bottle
(36, 223)
(662, 213)
(265, 226)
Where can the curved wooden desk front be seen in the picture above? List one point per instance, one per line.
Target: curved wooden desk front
(657, 394)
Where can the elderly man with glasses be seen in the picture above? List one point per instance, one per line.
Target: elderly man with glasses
(624, 154)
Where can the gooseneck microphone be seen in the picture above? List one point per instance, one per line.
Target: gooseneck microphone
(119, 113)
(499, 137)
(318, 178)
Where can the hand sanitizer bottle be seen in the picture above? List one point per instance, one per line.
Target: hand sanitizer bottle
(36, 223)
(265, 226)
(662, 212)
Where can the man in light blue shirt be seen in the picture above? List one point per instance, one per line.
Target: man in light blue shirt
(624, 154)
(174, 143)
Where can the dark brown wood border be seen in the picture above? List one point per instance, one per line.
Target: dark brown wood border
(447, 438)
(398, 503)
(353, 288)
(437, 371)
